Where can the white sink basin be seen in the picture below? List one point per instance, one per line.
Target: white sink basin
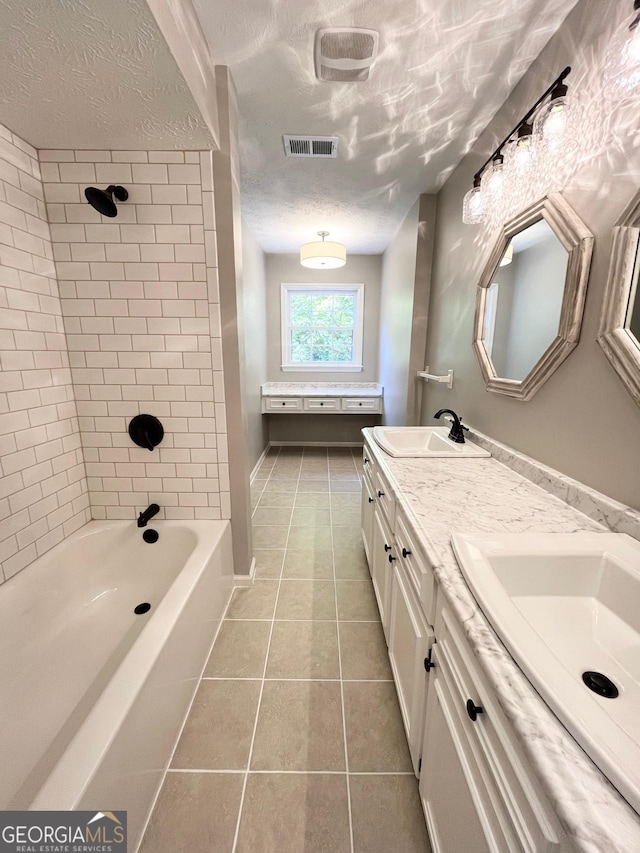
(565, 604)
(424, 442)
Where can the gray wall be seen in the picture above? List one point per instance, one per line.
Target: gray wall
(359, 269)
(570, 422)
(404, 302)
(255, 342)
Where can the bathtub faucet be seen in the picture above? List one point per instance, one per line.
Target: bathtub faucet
(149, 512)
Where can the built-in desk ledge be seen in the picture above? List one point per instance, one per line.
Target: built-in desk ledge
(322, 397)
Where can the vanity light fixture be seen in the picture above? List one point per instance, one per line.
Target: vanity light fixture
(507, 258)
(323, 255)
(544, 125)
(621, 77)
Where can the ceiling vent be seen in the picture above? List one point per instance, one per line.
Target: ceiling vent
(310, 146)
(345, 54)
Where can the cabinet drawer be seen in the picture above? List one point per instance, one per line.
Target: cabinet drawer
(418, 567)
(368, 464)
(521, 806)
(321, 404)
(282, 404)
(361, 404)
(385, 498)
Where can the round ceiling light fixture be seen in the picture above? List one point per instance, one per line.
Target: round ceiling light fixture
(323, 255)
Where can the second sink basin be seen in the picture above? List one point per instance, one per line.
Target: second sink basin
(566, 605)
(424, 442)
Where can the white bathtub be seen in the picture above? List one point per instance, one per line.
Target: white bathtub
(92, 696)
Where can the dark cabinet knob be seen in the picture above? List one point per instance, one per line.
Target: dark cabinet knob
(380, 494)
(406, 553)
(371, 500)
(392, 558)
(322, 404)
(473, 710)
(429, 664)
(366, 461)
(387, 547)
(359, 404)
(284, 404)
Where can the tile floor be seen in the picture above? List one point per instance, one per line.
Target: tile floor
(294, 743)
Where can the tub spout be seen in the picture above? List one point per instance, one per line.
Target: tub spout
(149, 512)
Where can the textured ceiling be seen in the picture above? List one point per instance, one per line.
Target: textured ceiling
(92, 74)
(444, 68)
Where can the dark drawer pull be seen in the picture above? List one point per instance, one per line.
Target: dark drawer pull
(366, 461)
(380, 494)
(371, 500)
(429, 664)
(406, 553)
(284, 404)
(473, 710)
(322, 404)
(392, 558)
(387, 547)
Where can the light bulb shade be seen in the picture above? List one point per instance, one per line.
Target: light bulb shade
(558, 126)
(473, 206)
(520, 156)
(323, 255)
(621, 77)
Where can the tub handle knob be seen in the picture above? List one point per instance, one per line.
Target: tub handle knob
(146, 431)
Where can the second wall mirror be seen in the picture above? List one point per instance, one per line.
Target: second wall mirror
(531, 297)
(619, 334)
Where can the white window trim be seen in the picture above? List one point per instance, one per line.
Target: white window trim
(325, 366)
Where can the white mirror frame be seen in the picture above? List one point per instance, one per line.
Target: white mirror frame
(578, 242)
(617, 341)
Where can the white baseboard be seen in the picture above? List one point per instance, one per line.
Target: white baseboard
(315, 444)
(246, 580)
(256, 467)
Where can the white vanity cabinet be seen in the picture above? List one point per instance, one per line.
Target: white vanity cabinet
(381, 567)
(368, 502)
(410, 637)
(478, 791)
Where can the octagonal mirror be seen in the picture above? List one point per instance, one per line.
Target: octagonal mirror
(619, 334)
(531, 297)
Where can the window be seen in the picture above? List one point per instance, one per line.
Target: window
(322, 326)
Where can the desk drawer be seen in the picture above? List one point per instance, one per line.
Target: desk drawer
(321, 404)
(361, 404)
(282, 404)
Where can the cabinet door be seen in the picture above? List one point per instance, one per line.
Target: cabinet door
(366, 518)
(449, 807)
(382, 568)
(410, 640)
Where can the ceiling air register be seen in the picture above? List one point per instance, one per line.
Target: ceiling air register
(345, 54)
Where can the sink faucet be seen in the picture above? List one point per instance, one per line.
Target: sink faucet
(149, 512)
(457, 429)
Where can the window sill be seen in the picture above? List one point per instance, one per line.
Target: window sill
(322, 368)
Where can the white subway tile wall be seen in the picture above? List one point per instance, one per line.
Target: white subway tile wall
(140, 305)
(43, 486)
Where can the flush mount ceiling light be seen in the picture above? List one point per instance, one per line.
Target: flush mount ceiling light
(323, 255)
(622, 67)
(492, 183)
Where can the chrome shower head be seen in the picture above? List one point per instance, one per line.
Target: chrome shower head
(102, 200)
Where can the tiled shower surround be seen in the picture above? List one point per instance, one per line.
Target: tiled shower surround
(139, 298)
(125, 321)
(43, 487)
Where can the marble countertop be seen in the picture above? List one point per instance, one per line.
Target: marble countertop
(441, 497)
(321, 389)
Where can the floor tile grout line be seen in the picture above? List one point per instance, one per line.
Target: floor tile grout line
(344, 718)
(264, 673)
(292, 772)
